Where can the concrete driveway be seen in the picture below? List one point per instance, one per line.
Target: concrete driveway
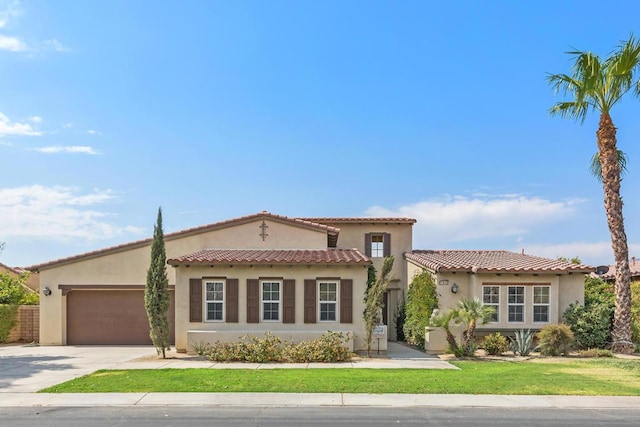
(26, 368)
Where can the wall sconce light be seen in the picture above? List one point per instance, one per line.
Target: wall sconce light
(454, 288)
(46, 291)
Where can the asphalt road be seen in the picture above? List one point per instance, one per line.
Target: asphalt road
(323, 416)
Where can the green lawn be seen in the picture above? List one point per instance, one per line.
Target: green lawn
(571, 377)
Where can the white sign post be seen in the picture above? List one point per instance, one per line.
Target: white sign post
(378, 332)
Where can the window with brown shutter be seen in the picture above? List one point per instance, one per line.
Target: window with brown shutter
(386, 249)
(367, 244)
(289, 301)
(232, 301)
(253, 301)
(309, 301)
(346, 301)
(195, 300)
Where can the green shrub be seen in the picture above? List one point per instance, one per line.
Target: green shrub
(400, 316)
(595, 352)
(495, 344)
(554, 340)
(330, 347)
(635, 312)
(13, 290)
(591, 324)
(422, 299)
(8, 319)
(522, 342)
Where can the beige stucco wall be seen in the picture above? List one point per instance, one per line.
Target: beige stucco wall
(352, 235)
(242, 273)
(564, 290)
(129, 267)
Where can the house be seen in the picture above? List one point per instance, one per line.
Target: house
(294, 277)
(610, 274)
(32, 282)
(527, 292)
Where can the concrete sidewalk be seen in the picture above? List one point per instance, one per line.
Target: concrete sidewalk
(315, 400)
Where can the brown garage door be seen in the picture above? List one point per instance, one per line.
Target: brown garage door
(110, 317)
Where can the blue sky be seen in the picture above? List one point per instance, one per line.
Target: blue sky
(219, 109)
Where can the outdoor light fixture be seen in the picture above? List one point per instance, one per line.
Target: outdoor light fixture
(46, 291)
(454, 288)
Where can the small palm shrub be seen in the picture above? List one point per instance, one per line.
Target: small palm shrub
(554, 340)
(495, 344)
(522, 342)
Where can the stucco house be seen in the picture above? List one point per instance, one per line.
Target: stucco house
(610, 274)
(527, 291)
(294, 277)
(32, 282)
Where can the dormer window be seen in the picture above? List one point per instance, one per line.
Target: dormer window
(377, 245)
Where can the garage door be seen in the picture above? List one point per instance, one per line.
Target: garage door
(110, 317)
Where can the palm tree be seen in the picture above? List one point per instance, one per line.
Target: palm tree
(444, 321)
(597, 84)
(470, 312)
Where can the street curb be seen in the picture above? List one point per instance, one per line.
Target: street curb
(316, 400)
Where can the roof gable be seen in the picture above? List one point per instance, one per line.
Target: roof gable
(490, 261)
(331, 232)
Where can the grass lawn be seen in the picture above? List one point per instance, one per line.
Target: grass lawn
(570, 377)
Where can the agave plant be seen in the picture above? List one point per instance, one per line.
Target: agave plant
(522, 343)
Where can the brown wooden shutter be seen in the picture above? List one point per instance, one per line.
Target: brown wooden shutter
(386, 244)
(367, 244)
(346, 301)
(309, 301)
(231, 301)
(253, 301)
(195, 300)
(289, 301)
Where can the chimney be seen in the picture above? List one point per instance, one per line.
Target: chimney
(633, 261)
(522, 251)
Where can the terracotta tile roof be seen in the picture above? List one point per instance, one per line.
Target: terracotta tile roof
(329, 220)
(491, 261)
(634, 267)
(332, 236)
(250, 256)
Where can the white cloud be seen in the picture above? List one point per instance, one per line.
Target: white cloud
(15, 128)
(9, 11)
(93, 132)
(75, 149)
(67, 125)
(59, 213)
(36, 119)
(56, 45)
(12, 44)
(456, 218)
(6, 144)
(592, 253)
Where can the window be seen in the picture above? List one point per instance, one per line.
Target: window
(377, 245)
(540, 303)
(328, 301)
(491, 298)
(214, 301)
(516, 304)
(271, 301)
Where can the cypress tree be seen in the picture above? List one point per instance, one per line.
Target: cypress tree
(156, 293)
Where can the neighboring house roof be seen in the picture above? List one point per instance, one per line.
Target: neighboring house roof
(634, 267)
(490, 262)
(248, 256)
(365, 220)
(332, 234)
(15, 270)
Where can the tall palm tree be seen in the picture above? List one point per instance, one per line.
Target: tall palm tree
(597, 84)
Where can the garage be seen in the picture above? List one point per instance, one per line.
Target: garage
(110, 316)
